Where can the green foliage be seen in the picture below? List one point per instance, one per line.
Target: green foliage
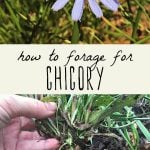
(35, 22)
(80, 116)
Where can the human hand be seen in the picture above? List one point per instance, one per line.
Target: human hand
(16, 123)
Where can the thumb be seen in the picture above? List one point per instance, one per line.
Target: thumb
(13, 106)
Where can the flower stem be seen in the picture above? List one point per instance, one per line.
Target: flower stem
(75, 34)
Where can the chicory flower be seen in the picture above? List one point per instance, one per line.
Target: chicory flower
(78, 7)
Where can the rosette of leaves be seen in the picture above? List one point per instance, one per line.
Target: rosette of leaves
(79, 117)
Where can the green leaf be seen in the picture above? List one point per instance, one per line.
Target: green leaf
(76, 33)
(13, 17)
(143, 129)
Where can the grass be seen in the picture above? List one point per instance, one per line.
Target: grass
(80, 117)
(35, 22)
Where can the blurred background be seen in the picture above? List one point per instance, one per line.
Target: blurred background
(23, 21)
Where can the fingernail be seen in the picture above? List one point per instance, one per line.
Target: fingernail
(55, 142)
(52, 106)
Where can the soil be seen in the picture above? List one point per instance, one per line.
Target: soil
(111, 143)
(107, 143)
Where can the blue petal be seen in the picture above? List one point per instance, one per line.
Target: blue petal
(111, 4)
(77, 10)
(95, 8)
(59, 4)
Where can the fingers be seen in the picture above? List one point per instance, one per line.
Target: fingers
(4, 117)
(26, 124)
(15, 106)
(26, 135)
(50, 144)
